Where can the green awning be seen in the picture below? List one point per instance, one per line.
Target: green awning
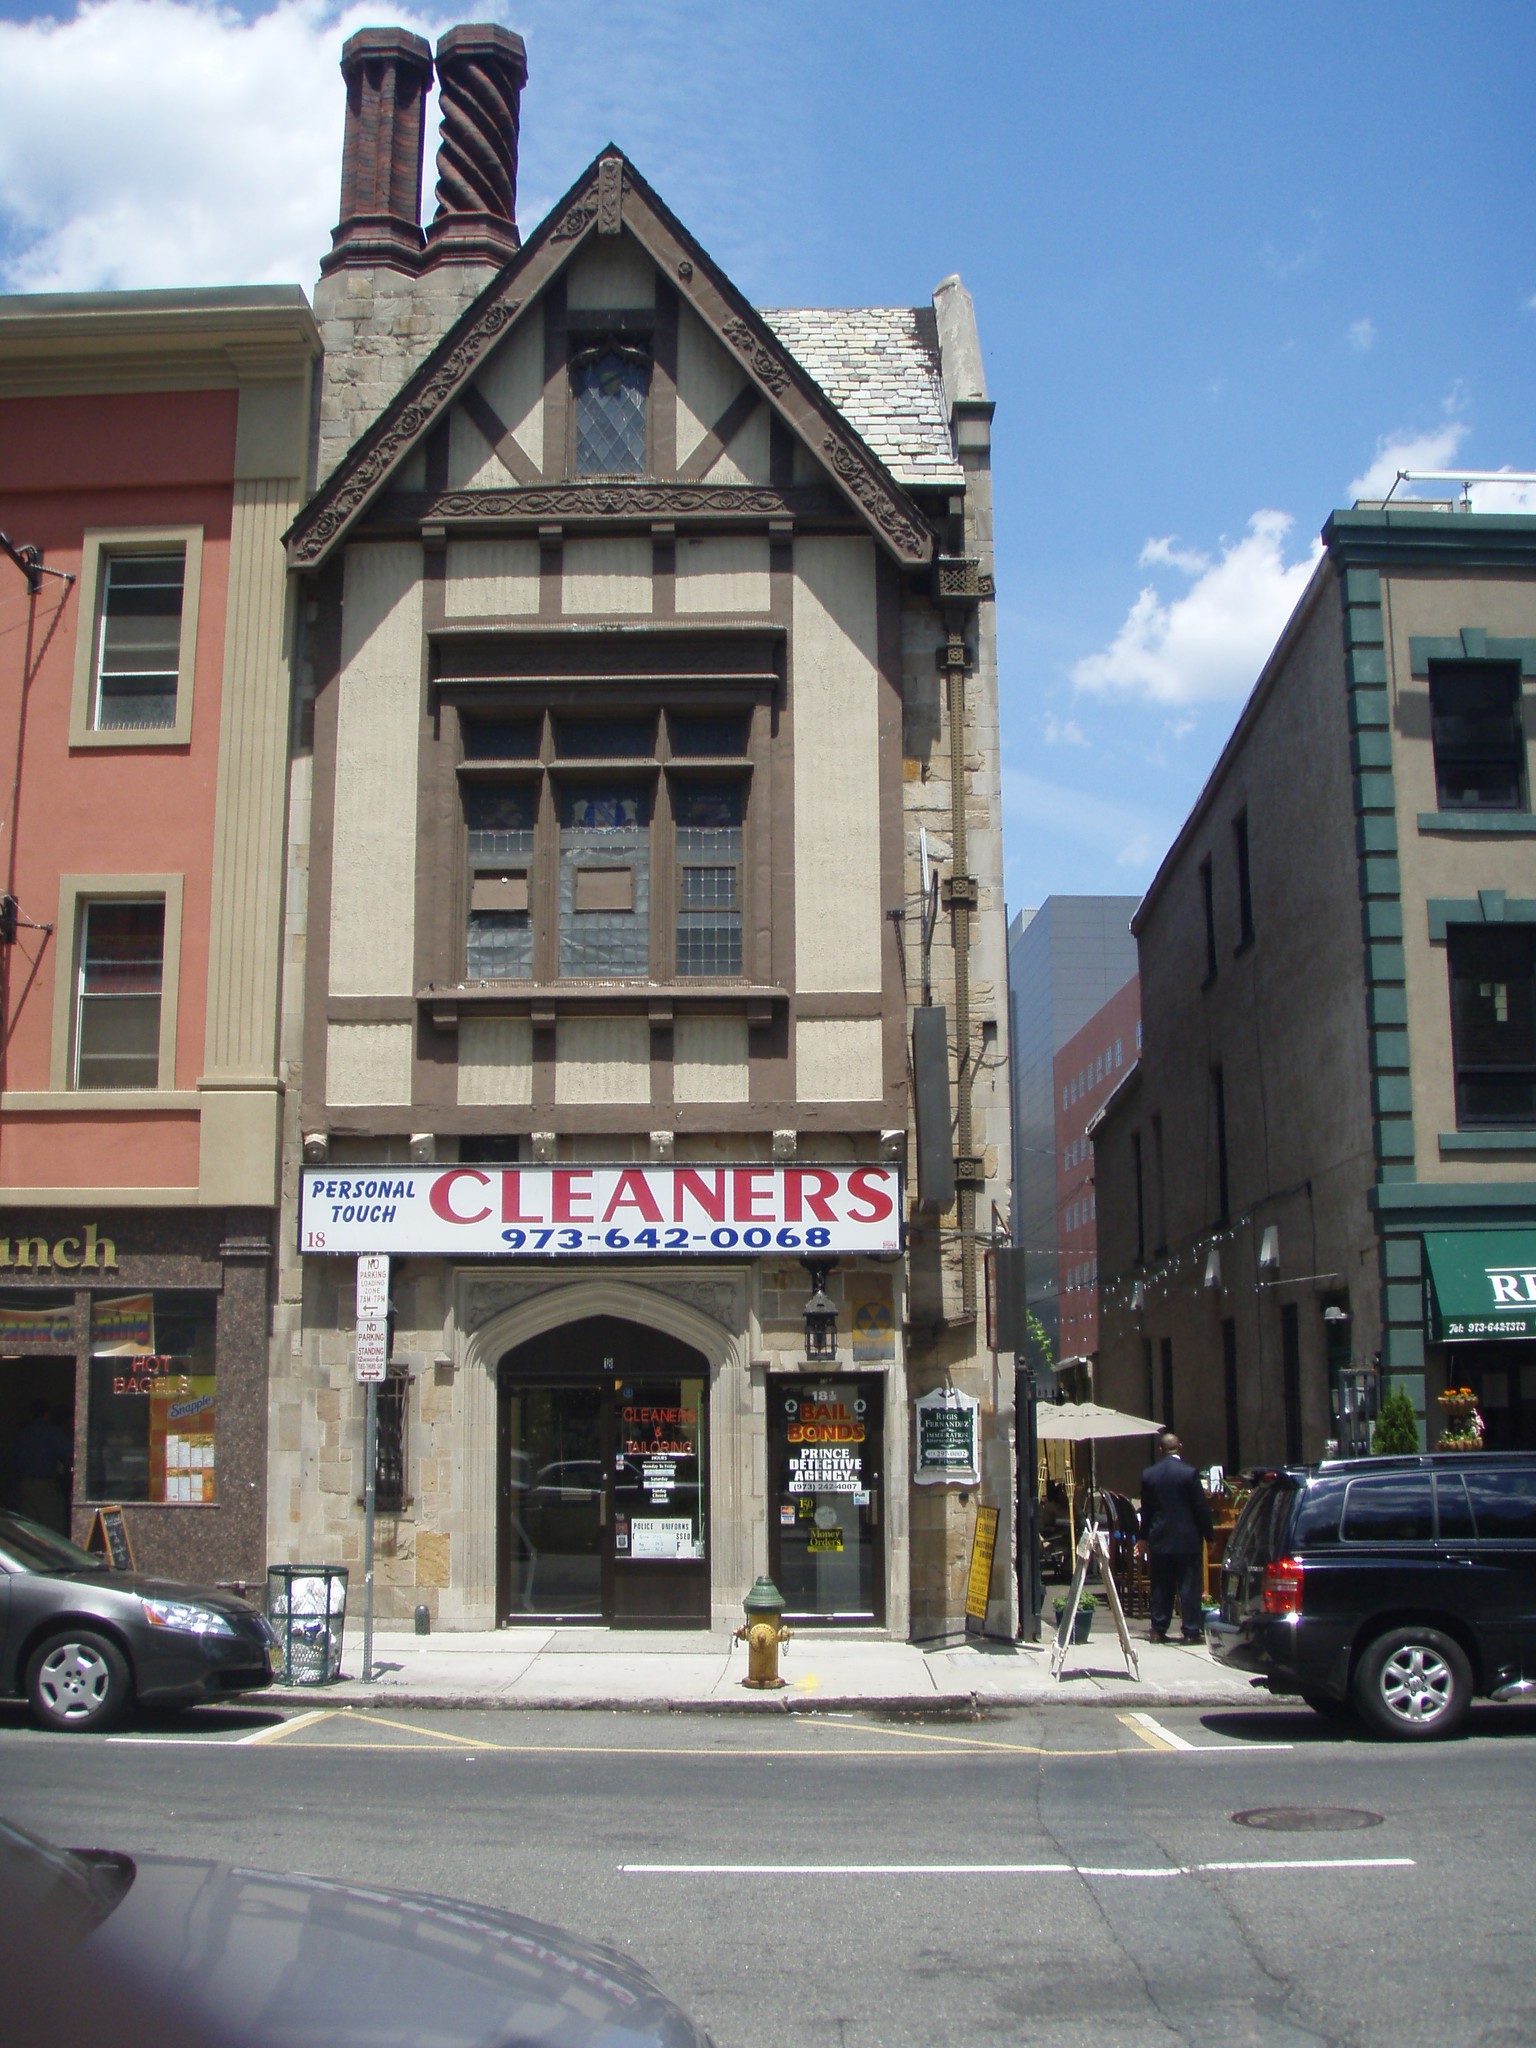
(1481, 1283)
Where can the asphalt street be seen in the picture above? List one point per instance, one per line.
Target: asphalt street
(1064, 1877)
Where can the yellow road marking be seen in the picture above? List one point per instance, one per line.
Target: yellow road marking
(409, 1728)
(1148, 1736)
(983, 1742)
(266, 1735)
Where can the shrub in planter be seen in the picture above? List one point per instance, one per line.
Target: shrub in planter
(1082, 1627)
(1397, 1427)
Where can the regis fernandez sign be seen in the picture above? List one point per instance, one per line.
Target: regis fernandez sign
(600, 1211)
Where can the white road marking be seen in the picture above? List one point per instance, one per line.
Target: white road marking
(279, 1729)
(1004, 1869)
(1153, 1732)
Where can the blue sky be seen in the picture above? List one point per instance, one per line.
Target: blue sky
(1231, 265)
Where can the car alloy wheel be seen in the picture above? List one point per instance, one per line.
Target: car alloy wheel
(1414, 1684)
(78, 1682)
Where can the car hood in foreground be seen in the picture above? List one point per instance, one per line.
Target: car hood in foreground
(290, 1961)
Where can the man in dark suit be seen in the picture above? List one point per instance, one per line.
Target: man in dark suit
(1175, 1525)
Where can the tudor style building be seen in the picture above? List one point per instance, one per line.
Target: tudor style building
(649, 660)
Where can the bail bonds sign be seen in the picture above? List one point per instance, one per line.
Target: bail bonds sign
(600, 1211)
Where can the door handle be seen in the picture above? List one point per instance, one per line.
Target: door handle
(874, 1509)
(602, 1509)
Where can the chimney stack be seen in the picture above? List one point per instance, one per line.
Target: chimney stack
(388, 71)
(481, 72)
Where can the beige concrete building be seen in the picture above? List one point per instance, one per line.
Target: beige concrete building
(1323, 1161)
(649, 659)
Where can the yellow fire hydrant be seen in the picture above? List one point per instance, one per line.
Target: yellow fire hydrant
(762, 1633)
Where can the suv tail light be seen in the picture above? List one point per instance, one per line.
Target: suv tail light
(1282, 1587)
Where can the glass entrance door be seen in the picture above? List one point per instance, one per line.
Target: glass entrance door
(554, 1504)
(826, 1548)
(604, 1483)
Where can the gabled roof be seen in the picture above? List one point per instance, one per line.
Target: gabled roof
(608, 196)
(880, 367)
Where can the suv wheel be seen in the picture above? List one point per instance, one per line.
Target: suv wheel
(1414, 1684)
(78, 1682)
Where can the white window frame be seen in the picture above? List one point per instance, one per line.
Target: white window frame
(101, 546)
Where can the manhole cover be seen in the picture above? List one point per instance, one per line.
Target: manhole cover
(1307, 1820)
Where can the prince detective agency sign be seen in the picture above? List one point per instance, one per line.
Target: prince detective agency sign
(600, 1211)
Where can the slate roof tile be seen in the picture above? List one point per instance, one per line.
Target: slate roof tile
(879, 365)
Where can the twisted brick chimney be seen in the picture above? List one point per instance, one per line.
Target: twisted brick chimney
(481, 72)
(388, 71)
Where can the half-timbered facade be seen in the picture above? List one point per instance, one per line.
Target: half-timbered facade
(651, 684)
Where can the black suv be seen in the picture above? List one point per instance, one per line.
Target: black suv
(1399, 1586)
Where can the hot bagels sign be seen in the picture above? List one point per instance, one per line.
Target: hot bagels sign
(600, 1211)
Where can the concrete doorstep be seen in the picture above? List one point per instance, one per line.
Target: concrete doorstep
(700, 1671)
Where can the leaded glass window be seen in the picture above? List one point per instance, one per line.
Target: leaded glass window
(605, 879)
(708, 816)
(610, 386)
(500, 817)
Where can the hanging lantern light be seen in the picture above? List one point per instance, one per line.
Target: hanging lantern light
(820, 1314)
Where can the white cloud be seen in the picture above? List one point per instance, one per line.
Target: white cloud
(1361, 335)
(1212, 641)
(1063, 732)
(1433, 450)
(1519, 495)
(157, 142)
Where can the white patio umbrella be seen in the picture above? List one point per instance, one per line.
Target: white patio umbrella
(1081, 1422)
(1085, 1422)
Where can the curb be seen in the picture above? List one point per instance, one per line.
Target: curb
(927, 1706)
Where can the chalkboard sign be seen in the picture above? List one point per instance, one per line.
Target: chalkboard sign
(109, 1539)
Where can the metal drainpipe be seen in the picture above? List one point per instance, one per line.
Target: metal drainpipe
(961, 893)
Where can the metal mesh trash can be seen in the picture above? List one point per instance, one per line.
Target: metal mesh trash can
(307, 1607)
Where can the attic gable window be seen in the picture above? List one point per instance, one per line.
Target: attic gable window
(610, 385)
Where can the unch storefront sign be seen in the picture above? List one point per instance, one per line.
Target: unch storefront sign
(1482, 1284)
(601, 1211)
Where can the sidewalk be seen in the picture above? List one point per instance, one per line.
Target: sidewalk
(687, 1671)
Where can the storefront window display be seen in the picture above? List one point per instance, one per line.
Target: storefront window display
(152, 1406)
(824, 1532)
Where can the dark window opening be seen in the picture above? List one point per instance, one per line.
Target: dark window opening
(389, 1451)
(605, 739)
(501, 739)
(1149, 1378)
(712, 738)
(1290, 1373)
(1208, 895)
(139, 650)
(1167, 1361)
(1219, 1112)
(1493, 1024)
(1244, 881)
(1141, 1197)
(610, 385)
(1479, 740)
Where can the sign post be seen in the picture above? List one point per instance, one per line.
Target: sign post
(372, 1363)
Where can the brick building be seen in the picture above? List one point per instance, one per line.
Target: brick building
(1323, 1162)
(1087, 1071)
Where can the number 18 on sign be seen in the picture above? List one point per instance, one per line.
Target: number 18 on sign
(372, 1355)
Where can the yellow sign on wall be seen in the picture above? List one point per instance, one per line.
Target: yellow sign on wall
(983, 1547)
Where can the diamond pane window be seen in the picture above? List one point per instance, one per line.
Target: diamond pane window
(610, 388)
(499, 940)
(139, 649)
(708, 819)
(605, 876)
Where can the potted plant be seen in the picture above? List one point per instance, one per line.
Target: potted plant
(1082, 1627)
(1464, 1427)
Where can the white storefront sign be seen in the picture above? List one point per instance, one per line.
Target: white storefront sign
(946, 1422)
(600, 1211)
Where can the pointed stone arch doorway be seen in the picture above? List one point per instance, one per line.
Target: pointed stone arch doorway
(602, 1477)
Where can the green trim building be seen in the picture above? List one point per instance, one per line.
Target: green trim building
(1338, 964)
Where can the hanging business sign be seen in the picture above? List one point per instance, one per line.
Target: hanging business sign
(946, 1422)
(600, 1211)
